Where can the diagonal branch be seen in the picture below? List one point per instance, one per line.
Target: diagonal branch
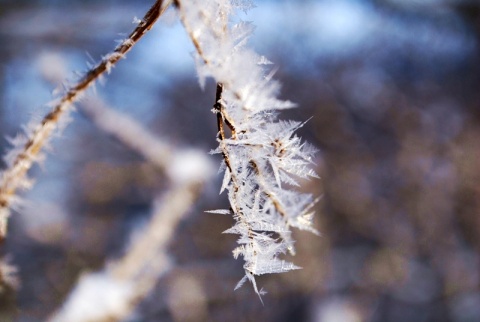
(14, 176)
(113, 293)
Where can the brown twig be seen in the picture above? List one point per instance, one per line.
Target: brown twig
(218, 110)
(13, 177)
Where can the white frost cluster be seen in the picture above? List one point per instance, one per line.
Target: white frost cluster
(189, 166)
(96, 295)
(262, 156)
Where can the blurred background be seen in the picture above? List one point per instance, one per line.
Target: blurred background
(393, 89)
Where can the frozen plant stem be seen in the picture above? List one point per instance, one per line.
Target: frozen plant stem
(15, 176)
(128, 131)
(262, 157)
(133, 276)
(114, 293)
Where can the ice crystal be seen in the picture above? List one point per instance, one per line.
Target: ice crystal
(263, 158)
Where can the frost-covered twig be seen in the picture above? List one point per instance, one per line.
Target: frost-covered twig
(112, 294)
(28, 147)
(262, 157)
(8, 276)
(128, 131)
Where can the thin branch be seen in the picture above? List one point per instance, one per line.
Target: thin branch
(217, 107)
(113, 293)
(259, 204)
(14, 176)
(134, 275)
(129, 132)
(222, 116)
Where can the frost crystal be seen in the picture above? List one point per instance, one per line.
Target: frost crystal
(262, 157)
